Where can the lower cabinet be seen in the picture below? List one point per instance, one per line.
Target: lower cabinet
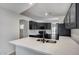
(62, 31)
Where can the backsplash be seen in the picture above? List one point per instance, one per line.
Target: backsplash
(35, 32)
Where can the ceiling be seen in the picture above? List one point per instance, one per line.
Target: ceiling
(53, 10)
(39, 11)
(16, 7)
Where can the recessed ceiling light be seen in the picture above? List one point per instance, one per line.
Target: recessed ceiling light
(46, 14)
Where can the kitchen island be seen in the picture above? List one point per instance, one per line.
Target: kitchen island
(30, 46)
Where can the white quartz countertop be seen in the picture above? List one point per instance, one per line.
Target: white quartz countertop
(64, 46)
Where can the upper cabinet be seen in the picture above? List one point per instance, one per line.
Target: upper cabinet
(39, 26)
(73, 16)
(67, 20)
(77, 15)
(71, 19)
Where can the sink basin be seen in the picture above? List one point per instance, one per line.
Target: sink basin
(46, 41)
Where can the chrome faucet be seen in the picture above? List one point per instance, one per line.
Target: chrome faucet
(43, 37)
(44, 40)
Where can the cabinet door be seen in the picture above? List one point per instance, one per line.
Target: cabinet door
(63, 31)
(67, 20)
(77, 15)
(32, 25)
(73, 16)
(49, 26)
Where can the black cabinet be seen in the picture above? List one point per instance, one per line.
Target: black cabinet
(32, 25)
(62, 31)
(73, 16)
(71, 19)
(36, 25)
(77, 15)
(67, 20)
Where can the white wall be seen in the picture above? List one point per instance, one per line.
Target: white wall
(9, 29)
